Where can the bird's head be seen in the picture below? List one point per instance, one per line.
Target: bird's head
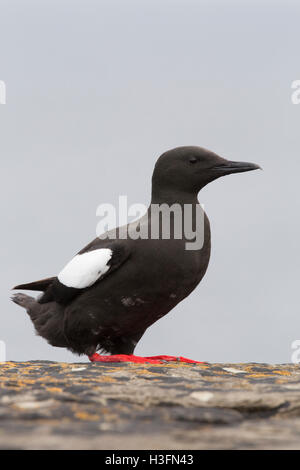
(188, 169)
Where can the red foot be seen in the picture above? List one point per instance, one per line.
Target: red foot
(174, 358)
(140, 360)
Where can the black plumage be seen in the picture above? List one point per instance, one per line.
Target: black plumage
(143, 279)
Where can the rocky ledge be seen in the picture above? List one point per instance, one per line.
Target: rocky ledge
(49, 405)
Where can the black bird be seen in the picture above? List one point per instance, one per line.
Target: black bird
(115, 288)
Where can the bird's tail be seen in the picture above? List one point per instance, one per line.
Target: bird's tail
(31, 305)
(48, 319)
(23, 300)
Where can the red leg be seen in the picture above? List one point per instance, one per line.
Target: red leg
(175, 358)
(140, 360)
(123, 358)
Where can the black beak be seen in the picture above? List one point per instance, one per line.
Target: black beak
(229, 167)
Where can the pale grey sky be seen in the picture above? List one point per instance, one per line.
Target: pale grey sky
(96, 91)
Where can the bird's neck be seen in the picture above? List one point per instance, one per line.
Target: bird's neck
(169, 196)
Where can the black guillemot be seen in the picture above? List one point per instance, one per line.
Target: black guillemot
(106, 297)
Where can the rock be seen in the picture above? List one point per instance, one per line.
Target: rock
(49, 405)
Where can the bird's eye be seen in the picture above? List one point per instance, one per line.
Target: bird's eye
(193, 160)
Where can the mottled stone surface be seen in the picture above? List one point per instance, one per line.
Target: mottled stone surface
(49, 405)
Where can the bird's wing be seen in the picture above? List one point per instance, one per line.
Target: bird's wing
(89, 266)
(86, 268)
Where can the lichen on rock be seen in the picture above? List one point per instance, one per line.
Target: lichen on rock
(49, 405)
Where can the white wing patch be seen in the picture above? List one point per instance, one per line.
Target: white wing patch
(85, 269)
